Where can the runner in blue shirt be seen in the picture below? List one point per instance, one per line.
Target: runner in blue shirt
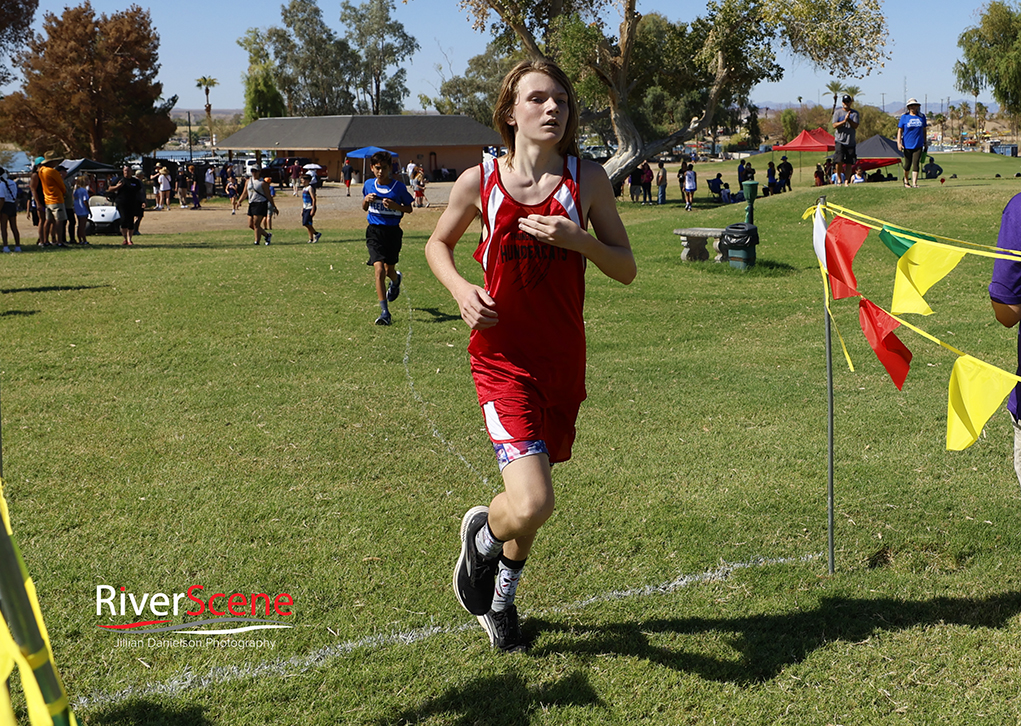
(386, 200)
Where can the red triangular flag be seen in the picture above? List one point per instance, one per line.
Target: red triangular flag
(878, 327)
(843, 240)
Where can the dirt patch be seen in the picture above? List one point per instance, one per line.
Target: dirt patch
(334, 209)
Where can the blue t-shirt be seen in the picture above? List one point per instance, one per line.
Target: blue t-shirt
(1006, 284)
(912, 130)
(81, 202)
(378, 214)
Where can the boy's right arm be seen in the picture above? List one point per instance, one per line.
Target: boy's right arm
(477, 308)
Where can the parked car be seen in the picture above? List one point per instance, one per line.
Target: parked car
(276, 170)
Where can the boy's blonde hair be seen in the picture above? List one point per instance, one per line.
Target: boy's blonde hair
(509, 96)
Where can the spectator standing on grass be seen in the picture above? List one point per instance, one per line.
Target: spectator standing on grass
(527, 345)
(347, 172)
(271, 209)
(418, 187)
(661, 182)
(72, 219)
(53, 191)
(1005, 293)
(911, 139)
(690, 185)
(223, 174)
(635, 182)
(742, 175)
(210, 182)
(232, 194)
(9, 210)
(140, 200)
(163, 188)
(297, 176)
(845, 124)
(308, 209)
(386, 200)
(258, 206)
(196, 186)
(183, 186)
(125, 199)
(36, 209)
(647, 177)
(784, 172)
(81, 206)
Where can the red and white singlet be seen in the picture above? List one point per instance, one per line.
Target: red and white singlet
(539, 291)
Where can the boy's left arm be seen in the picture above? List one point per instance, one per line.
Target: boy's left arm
(609, 249)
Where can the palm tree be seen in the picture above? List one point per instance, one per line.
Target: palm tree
(954, 114)
(941, 121)
(205, 82)
(981, 116)
(836, 88)
(965, 111)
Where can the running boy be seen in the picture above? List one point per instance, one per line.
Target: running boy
(527, 345)
(308, 208)
(386, 200)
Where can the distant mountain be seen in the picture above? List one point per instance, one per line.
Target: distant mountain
(200, 113)
(892, 107)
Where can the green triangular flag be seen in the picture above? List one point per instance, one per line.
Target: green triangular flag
(900, 240)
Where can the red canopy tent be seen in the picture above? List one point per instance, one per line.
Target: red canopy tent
(814, 140)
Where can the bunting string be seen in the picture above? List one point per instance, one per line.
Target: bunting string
(912, 235)
(976, 388)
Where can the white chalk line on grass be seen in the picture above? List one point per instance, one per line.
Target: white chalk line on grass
(425, 414)
(188, 680)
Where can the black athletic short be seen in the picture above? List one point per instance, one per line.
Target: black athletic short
(384, 242)
(912, 158)
(844, 154)
(258, 209)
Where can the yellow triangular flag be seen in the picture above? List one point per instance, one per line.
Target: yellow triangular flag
(918, 269)
(976, 390)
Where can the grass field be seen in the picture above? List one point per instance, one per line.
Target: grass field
(197, 411)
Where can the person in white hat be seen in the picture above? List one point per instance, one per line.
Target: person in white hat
(911, 139)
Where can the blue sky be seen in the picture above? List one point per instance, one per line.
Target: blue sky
(198, 39)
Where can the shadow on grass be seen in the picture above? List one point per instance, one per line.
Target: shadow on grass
(504, 699)
(12, 313)
(438, 317)
(50, 288)
(761, 268)
(766, 644)
(141, 711)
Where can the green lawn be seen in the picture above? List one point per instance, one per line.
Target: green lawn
(199, 411)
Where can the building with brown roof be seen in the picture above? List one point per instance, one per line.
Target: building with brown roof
(433, 142)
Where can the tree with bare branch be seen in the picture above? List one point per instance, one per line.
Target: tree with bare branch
(731, 52)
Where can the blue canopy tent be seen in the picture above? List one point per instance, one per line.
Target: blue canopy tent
(367, 151)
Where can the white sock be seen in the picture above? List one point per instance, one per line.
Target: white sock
(487, 544)
(508, 575)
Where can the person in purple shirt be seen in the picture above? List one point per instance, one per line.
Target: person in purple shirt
(1005, 293)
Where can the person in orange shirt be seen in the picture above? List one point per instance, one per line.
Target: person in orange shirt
(54, 191)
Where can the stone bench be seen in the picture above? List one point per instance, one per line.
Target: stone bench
(695, 239)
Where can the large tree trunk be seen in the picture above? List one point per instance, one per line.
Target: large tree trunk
(612, 66)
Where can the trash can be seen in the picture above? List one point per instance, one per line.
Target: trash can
(740, 240)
